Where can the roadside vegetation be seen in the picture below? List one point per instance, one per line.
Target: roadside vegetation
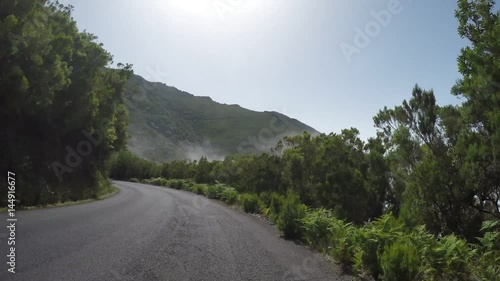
(113, 190)
(63, 113)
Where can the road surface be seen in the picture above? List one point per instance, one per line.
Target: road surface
(153, 233)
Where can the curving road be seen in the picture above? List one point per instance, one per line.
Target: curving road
(153, 233)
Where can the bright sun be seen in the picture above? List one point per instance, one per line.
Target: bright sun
(212, 15)
(191, 7)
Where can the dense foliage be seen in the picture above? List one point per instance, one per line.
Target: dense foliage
(62, 110)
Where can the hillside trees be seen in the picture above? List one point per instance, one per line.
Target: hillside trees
(58, 99)
(203, 170)
(337, 171)
(125, 165)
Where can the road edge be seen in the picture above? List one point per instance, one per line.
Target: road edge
(114, 191)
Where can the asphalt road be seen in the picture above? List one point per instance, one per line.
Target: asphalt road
(153, 233)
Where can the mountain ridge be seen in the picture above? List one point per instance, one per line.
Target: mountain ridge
(166, 123)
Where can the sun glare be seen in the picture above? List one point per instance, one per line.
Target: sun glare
(200, 8)
(212, 17)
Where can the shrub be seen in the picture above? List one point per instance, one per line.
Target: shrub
(47, 196)
(211, 192)
(371, 240)
(175, 183)
(249, 202)
(219, 188)
(275, 206)
(292, 211)
(199, 189)
(399, 261)
(134, 180)
(265, 198)
(187, 185)
(157, 181)
(264, 203)
(426, 244)
(316, 224)
(488, 267)
(343, 242)
(453, 257)
(229, 195)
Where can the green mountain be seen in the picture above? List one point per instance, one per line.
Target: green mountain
(169, 124)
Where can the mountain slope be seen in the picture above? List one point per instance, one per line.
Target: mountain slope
(168, 124)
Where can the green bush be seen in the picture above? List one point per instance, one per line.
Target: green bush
(265, 197)
(211, 192)
(219, 188)
(453, 257)
(420, 256)
(275, 206)
(163, 182)
(426, 245)
(157, 181)
(371, 240)
(229, 195)
(175, 184)
(134, 180)
(199, 189)
(187, 185)
(264, 203)
(47, 196)
(316, 224)
(292, 211)
(249, 202)
(399, 261)
(343, 242)
(488, 266)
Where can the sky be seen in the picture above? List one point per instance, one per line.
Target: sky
(331, 64)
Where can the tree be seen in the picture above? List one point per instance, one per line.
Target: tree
(62, 109)
(203, 170)
(478, 147)
(426, 182)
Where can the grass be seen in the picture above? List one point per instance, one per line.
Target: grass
(113, 191)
